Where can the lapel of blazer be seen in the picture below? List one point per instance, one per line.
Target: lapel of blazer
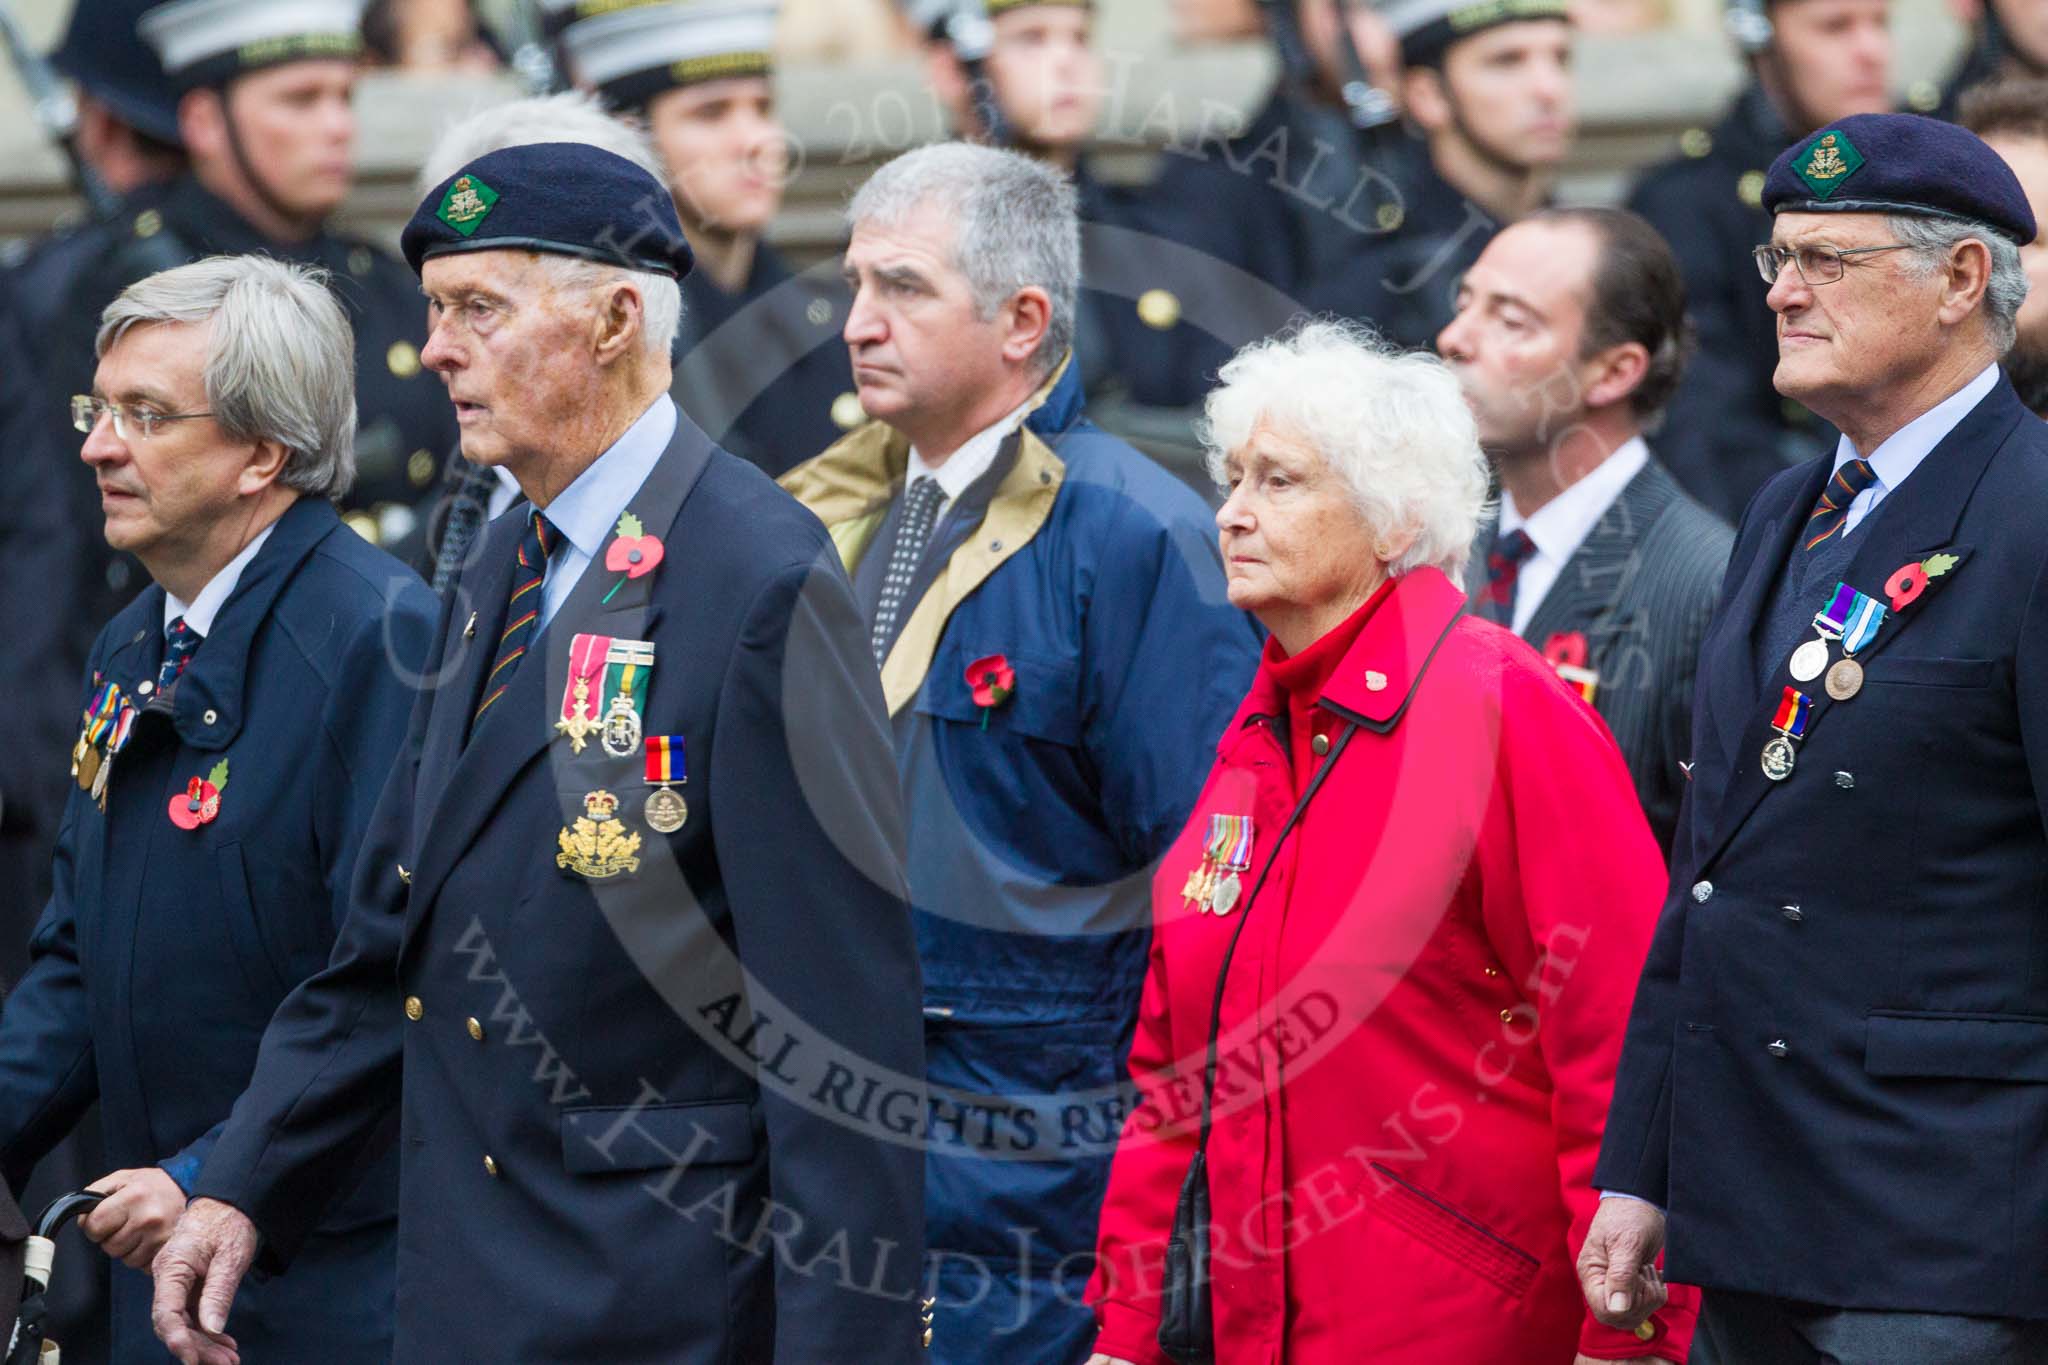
(1589, 590)
(1727, 674)
(522, 722)
(466, 657)
(1916, 519)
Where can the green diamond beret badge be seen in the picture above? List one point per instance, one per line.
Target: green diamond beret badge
(464, 206)
(1831, 160)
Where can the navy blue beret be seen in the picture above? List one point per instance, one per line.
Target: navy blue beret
(1899, 163)
(565, 198)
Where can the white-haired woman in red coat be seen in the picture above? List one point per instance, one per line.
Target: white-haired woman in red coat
(1433, 959)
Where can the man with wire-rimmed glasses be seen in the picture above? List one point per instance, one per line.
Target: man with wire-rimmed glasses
(231, 723)
(1832, 1085)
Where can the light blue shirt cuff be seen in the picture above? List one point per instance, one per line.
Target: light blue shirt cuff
(1617, 1194)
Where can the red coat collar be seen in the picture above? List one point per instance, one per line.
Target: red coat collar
(1380, 671)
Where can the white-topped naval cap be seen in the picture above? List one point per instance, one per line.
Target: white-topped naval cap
(684, 41)
(189, 33)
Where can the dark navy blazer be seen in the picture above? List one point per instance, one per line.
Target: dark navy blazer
(1836, 1073)
(163, 951)
(661, 1118)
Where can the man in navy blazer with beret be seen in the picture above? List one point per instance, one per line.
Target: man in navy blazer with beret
(235, 721)
(628, 956)
(1835, 1082)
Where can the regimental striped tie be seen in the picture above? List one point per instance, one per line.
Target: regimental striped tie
(1831, 513)
(522, 612)
(181, 642)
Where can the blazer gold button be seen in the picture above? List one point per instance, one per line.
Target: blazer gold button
(1320, 745)
(414, 1009)
(490, 1166)
(476, 1030)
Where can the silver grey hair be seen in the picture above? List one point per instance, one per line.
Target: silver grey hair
(571, 116)
(280, 357)
(1017, 224)
(1934, 238)
(661, 296)
(1393, 424)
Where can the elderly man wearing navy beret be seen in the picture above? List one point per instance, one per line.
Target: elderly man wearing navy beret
(627, 964)
(1835, 1082)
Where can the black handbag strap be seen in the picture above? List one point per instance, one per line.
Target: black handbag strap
(1223, 972)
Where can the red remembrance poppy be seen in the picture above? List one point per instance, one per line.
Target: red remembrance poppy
(1905, 585)
(1567, 647)
(992, 681)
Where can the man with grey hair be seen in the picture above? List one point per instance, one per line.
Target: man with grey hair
(1047, 610)
(1831, 1083)
(234, 718)
(646, 823)
(473, 494)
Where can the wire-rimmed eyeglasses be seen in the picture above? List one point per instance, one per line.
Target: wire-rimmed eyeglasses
(1815, 264)
(86, 412)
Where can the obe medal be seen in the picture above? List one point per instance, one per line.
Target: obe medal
(1809, 660)
(1845, 679)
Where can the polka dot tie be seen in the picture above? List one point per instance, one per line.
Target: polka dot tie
(920, 512)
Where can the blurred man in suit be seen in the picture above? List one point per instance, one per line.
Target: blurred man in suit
(233, 718)
(1569, 338)
(1811, 61)
(759, 363)
(627, 958)
(2012, 116)
(1832, 1081)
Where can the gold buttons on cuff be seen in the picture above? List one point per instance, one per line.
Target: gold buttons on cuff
(1320, 745)
(490, 1166)
(414, 1009)
(476, 1030)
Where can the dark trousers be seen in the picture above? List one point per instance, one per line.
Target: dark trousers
(1751, 1329)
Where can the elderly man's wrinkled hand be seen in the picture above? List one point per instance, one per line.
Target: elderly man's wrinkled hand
(197, 1274)
(1618, 1263)
(1100, 1359)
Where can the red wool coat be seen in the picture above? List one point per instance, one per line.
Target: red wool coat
(1421, 1022)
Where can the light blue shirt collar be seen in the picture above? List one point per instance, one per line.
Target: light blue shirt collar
(1903, 451)
(201, 610)
(587, 511)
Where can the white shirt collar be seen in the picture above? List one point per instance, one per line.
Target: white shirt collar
(202, 609)
(972, 460)
(1903, 451)
(588, 509)
(1561, 525)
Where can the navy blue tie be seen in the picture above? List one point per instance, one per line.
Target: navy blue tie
(181, 642)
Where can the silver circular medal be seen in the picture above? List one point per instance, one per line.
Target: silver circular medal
(622, 728)
(1223, 899)
(1809, 660)
(1845, 679)
(666, 810)
(1779, 756)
